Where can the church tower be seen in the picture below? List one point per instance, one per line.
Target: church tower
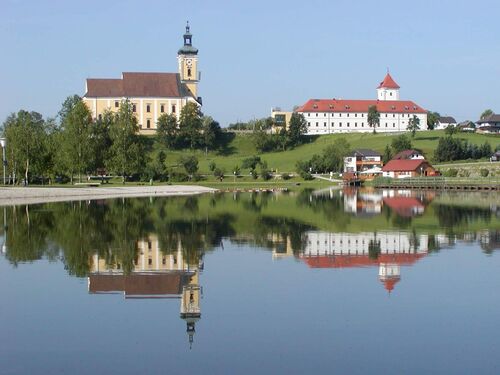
(187, 58)
(388, 89)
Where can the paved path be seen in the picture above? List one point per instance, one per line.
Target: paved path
(31, 195)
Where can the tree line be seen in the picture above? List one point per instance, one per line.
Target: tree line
(75, 144)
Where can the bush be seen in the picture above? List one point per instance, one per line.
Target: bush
(254, 174)
(286, 176)
(251, 162)
(212, 166)
(484, 172)
(266, 174)
(307, 176)
(218, 173)
(452, 172)
(179, 177)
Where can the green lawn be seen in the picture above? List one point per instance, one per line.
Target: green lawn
(242, 147)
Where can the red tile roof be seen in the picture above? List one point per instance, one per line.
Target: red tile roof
(383, 106)
(138, 85)
(403, 165)
(388, 83)
(405, 154)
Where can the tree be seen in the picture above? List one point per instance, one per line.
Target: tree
(414, 125)
(25, 142)
(126, 156)
(296, 129)
(387, 154)
(167, 130)
(333, 156)
(486, 113)
(190, 124)
(401, 143)
(373, 117)
(67, 106)
(432, 119)
(211, 133)
(450, 130)
(76, 138)
(100, 140)
(190, 164)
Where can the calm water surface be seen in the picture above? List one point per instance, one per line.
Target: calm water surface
(337, 282)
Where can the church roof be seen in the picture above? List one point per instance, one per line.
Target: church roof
(388, 83)
(138, 85)
(339, 105)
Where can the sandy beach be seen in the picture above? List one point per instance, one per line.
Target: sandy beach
(32, 195)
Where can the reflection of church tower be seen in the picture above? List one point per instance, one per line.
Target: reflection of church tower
(190, 306)
(389, 274)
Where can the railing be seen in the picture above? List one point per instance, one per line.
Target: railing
(440, 182)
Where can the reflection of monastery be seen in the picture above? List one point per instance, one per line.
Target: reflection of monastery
(370, 202)
(155, 275)
(387, 250)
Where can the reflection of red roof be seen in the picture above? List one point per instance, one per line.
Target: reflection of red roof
(348, 261)
(404, 206)
(390, 283)
(403, 165)
(383, 106)
(388, 83)
(137, 284)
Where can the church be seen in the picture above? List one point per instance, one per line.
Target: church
(151, 94)
(326, 116)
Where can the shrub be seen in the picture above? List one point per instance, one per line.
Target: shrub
(212, 166)
(218, 172)
(286, 176)
(251, 162)
(254, 174)
(452, 172)
(484, 172)
(178, 177)
(266, 174)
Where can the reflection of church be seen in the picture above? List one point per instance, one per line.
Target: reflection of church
(387, 250)
(155, 275)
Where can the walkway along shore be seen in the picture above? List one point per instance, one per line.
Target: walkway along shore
(31, 195)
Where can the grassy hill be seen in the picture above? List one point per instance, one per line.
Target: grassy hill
(241, 147)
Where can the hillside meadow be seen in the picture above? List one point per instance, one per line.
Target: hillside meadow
(241, 147)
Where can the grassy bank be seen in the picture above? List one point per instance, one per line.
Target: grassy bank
(241, 147)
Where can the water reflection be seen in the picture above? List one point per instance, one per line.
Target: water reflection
(155, 248)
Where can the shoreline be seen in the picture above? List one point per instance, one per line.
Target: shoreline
(32, 195)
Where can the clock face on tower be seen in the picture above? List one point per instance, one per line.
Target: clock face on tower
(189, 62)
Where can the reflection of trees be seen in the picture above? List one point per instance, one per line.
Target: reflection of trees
(374, 249)
(332, 207)
(454, 216)
(271, 232)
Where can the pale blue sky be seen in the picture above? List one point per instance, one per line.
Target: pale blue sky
(445, 55)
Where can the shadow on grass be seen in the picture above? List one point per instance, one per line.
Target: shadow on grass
(223, 144)
(427, 138)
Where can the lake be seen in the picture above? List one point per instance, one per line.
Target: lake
(330, 281)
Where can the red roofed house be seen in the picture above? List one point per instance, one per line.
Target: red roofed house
(404, 168)
(151, 94)
(409, 154)
(325, 116)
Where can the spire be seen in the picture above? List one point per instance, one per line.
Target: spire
(188, 48)
(388, 82)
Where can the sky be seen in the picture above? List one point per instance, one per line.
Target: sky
(256, 55)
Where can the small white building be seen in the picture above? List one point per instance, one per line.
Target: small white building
(326, 116)
(444, 122)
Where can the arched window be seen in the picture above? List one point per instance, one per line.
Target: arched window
(189, 72)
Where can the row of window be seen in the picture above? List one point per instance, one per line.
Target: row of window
(362, 114)
(355, 124)
(148, 107)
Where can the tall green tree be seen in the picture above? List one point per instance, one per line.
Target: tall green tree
(373, 117)
(67, 106)
(387, 154)
(190, 164)
(125, 156)
(414, 125)
(432, 119)
(211, 133)
(190, 124)
(77, 141)
(100, 140)
(401, 143)
(486, 113)
(26, 137)
(333, 155)
(167, 130)
(297, 128)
